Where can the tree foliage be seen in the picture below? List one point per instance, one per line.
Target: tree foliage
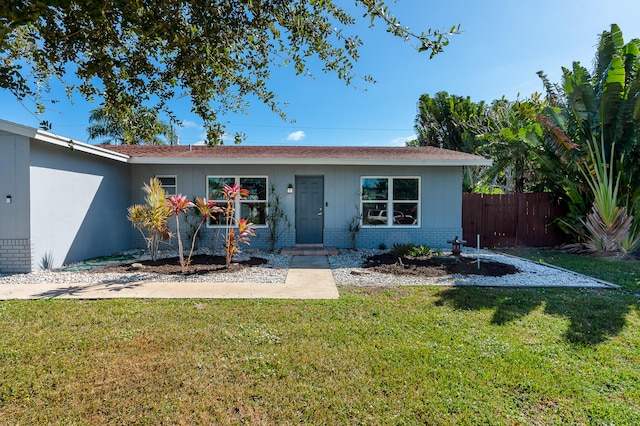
(601, 108)
(444, 121)
(505, 131)
(132, 126)
(218, 53)
(509, 133)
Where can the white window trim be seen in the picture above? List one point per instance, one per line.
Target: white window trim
(222, 200)
(390, 202)
(175, 178)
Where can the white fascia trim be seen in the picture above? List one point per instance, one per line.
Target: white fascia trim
(42, 136)
(308, 161)
(79, 146)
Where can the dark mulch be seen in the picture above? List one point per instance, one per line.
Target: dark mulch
(436, 266)
(429, 266)
(200, 264)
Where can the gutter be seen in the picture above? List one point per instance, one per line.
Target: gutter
(308, 161)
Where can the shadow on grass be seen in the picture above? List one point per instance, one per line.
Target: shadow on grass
(594, 315)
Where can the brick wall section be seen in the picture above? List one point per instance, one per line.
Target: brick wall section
(333, 237)
(375, 236)
(213, 237)
(16, 256)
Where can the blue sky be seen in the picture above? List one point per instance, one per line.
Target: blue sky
(502, 45)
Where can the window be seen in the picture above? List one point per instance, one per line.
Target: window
(253, 208)
(390, 201)
(169, 183)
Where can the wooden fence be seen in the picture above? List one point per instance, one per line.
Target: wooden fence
(511, 220)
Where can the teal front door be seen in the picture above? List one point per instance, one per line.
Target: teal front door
(309, 209)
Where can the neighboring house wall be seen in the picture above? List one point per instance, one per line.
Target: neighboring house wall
(79, 204)
(15, 244)
(441, 198)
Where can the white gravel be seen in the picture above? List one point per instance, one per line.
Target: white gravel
(346, 266)
(347, 271)
(274, 271)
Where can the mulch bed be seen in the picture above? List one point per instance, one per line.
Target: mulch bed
(200, 264)
(436, 266)
(428, 266)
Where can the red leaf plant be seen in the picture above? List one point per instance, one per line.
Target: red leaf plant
(179, 204)
(232, 239)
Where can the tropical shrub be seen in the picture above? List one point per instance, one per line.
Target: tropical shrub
(610, 227)
(421, 250)
(353, 227)
(587, 107)
(277, 219)
(179, 204)
(191, 224)
(151, 219)
(233, 238)
(205, 209)
(401, 249)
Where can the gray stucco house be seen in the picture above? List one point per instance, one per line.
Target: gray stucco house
(65, 200)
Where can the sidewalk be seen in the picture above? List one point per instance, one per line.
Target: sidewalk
(309, 277)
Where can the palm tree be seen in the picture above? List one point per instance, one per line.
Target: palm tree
(442, 121)
(130, 127)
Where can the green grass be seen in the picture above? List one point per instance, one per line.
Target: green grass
(406, 355)
(625, 273)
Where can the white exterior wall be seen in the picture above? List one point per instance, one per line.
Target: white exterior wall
(441, 199)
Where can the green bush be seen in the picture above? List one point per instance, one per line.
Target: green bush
(421, 250)
(401, 249)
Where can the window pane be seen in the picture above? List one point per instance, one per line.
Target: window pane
(257, 188)
(219, 220)
(405, 189)
(254, 212)
(405, 213)
(375, 189)
(167, 181)
(215, 185)
(374, 213)
(168, 184)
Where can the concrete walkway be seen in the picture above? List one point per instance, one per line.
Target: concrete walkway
(309, 277)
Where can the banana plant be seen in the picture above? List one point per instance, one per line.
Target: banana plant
(603, 106)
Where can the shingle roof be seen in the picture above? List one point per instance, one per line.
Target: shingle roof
(237, 154)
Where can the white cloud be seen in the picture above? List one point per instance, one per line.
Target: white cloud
(188, 124)
(399, 141)
(296, 136)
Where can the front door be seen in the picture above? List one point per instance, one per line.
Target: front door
(309, 209)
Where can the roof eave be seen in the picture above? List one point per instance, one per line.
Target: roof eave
(79, 146)
(310, 161)
(53, 139)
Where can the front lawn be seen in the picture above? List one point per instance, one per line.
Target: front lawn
(404, 355)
